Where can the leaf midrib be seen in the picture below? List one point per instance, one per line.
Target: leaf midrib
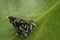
(43, 15)
(46, 12)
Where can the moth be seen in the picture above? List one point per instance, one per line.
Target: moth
(22, 26)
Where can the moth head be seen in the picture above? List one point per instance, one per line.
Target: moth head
(32, 22)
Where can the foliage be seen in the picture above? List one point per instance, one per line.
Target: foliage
(46, 14)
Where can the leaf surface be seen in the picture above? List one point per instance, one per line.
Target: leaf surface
(46, 14)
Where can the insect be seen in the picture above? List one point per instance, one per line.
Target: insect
(23, 27)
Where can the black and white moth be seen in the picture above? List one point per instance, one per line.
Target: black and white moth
(23, 27)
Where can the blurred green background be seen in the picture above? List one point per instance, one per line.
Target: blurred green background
(45, 13)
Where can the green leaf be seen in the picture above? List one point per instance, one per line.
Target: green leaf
(46, 14)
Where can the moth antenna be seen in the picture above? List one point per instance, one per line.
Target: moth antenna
(31, 17)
